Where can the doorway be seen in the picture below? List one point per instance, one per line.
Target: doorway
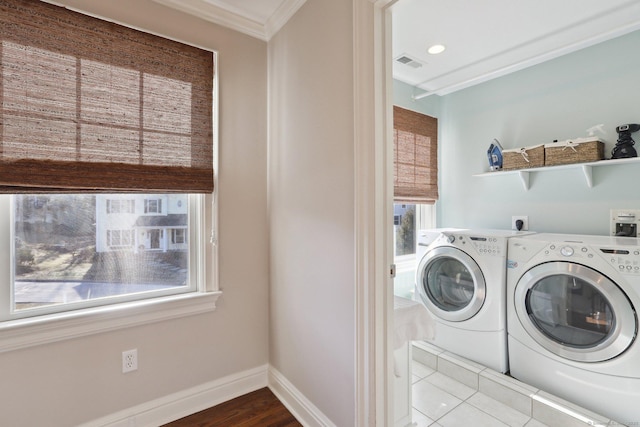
(154, 239)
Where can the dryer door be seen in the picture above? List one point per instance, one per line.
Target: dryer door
(450, 284)
(575, 311)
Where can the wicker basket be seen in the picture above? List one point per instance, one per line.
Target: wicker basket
(523, 158)
(579, 150)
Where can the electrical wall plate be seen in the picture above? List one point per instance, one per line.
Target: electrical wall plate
(129, 360)
(523, 218)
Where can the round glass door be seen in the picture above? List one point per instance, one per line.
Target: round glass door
(575, 312)
(450, 284)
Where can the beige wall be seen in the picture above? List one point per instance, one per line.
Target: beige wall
(78, 380)
(286, 265)
(311, 200)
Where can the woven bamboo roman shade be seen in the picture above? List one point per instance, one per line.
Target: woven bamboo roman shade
(415, 157)
(89, 105)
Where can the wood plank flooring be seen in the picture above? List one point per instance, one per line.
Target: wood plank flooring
(260, 408)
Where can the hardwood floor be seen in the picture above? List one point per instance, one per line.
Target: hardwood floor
(259, 408)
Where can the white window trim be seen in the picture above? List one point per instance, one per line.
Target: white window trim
(425, 216)
(28, 332)
(18, 334)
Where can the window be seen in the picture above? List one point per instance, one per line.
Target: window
(178, 236)
(415, 157)
(117, 206)
(106, 175)
(62, 262)
(153, 206)
(120, 238)
(415, 161)
(408, 220)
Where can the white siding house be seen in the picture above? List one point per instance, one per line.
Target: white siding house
(141, 222)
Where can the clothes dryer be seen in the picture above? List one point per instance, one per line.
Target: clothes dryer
(461, 279)
(572, 319)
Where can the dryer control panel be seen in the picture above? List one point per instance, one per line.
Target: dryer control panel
(624, 260)
(567, 250)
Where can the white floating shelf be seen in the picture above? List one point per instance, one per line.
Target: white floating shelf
(586, 168)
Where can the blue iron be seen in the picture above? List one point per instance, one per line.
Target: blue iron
(494, 153)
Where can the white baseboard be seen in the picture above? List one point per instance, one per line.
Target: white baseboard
(178, 405)
(301, 407)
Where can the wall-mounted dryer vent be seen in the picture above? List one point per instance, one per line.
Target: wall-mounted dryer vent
(404, 59)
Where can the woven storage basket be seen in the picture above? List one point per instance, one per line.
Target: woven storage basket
(523, 158)
(579, 150)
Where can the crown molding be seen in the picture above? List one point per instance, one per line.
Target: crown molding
(556, 42)
(281, 16)
(236, 21)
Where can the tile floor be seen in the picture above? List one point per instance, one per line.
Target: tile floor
(449, 391)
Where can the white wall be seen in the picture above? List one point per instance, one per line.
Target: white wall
(311, 197)
(558, 99)
(79, 380)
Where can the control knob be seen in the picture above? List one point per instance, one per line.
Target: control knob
(566, 251)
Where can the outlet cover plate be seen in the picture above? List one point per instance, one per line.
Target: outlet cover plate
(525, 222)
(129, 360)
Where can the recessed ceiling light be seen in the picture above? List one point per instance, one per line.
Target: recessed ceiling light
(436, 49)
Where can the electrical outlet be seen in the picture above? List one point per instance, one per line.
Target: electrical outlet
(523, 218)
(129, 360)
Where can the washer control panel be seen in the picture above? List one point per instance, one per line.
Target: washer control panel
(486, 245)
(625, 260)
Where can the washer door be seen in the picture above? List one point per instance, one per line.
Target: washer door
(450, 284)
(575, 312)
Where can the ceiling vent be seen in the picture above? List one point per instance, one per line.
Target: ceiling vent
(407, 60)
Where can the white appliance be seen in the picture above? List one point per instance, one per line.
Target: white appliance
(427, 236)
(572, 319)
(461, 279)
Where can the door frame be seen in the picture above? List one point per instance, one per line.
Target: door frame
(373, 173)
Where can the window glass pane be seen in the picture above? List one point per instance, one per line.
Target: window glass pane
(73, 248)
(407, 220)
(404, 231)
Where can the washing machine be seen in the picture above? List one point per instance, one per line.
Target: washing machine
(572, 319)
(461, 279)
(426, 238)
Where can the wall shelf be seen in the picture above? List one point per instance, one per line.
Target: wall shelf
(586, 169)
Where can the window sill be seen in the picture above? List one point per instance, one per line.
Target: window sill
(17, 334)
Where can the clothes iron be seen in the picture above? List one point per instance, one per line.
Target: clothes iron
(494, 154)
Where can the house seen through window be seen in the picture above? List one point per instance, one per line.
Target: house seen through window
(73, 248)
